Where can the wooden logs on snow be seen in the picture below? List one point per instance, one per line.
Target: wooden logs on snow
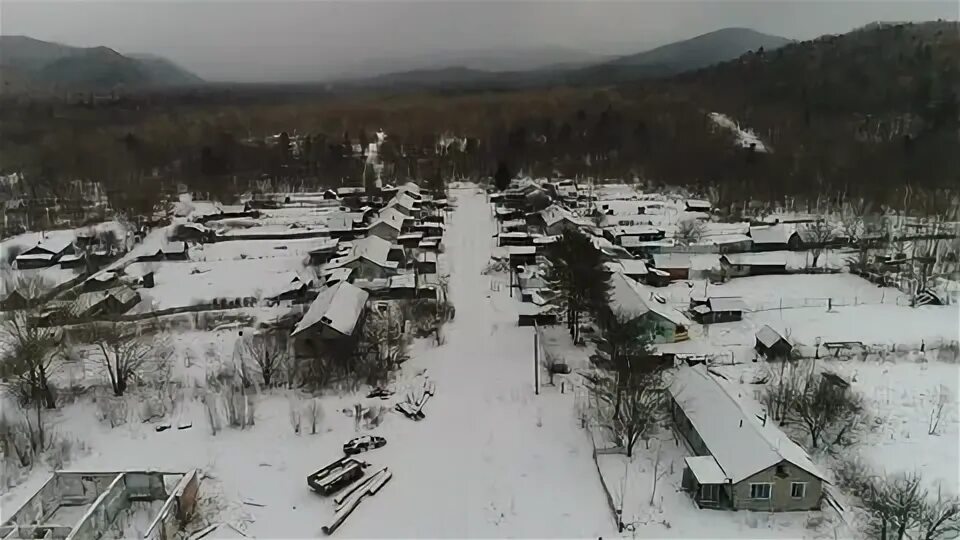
(352, 499)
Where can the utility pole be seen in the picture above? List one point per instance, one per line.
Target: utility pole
(536, 359)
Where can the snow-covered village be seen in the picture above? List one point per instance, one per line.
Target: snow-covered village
(627, 346)
(621, 298)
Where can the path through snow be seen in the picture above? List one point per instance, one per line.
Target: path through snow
(491, 459)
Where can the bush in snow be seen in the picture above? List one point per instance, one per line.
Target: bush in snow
(25, 441)
(112, 410)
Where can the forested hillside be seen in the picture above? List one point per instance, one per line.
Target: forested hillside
(865, 113)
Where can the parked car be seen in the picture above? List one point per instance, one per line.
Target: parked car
(363, 444)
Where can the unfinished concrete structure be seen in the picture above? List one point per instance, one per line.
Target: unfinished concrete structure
(106, 505)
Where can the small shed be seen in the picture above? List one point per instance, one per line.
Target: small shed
(753, 264)
(698, 205)
(772, 345)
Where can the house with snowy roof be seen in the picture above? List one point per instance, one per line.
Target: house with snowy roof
(336, 314)
(741, 460)
(555, 220)
(770, 238)
(772, 344)
(641, 233)
(388, 224)
(46, 253)
(633, 301)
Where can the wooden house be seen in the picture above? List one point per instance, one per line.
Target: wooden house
(769, 238)
(336, 314)
(388, 225)
(45, 253)
(635, 233)
(717, 309)
(105, 303)
(772, 345)
(630, 299)
(675, 264)
(740, 461)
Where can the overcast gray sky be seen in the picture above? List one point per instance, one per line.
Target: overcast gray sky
(283, 40)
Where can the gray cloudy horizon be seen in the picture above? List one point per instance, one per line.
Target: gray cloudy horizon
(284, 41)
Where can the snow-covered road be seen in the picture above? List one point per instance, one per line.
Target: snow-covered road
(491, 459)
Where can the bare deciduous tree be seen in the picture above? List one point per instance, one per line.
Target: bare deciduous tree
(819, 406)
(690, 231)
(816, 235)
(125, 355)
(640, 405)
(31, 355)
(266, 354)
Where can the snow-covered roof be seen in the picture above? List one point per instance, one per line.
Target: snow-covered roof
(634, 230)
(413, 235)
(403, 281)
(546, 239)
(756, 259)
(671, 260)
(633, 267)
(337, 274)
(392, 217)
(53, 245)
(325, 245)
(521, 250)
(630, 298)
(739, 442)
(625, 297)
(619, 207)
(35, 257)
(768, 336)
(706, 470)
(698, 203)
(553, 214)
(514, 234)
(774, 234)
(726, 303)
(372, 247)
(722, 239)
(338, 307)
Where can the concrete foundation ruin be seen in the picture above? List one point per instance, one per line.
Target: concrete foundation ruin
(106, 505)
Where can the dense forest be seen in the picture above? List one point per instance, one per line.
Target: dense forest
(873, 114)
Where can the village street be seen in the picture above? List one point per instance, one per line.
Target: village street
(491, 459)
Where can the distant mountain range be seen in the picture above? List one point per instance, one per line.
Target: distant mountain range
(678, 57)
(32, 65)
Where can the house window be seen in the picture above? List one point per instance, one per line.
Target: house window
(710, 492)
(798, 490)
(781, 471)
(760, 491)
